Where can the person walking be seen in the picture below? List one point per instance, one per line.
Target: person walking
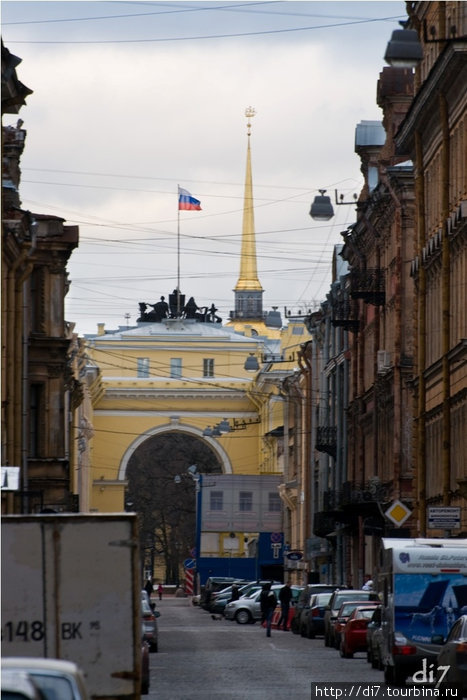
(149, 588)
(235, 595)
(160, 590)
(268, 602)
(285, 596)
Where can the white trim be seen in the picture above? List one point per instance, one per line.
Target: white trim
(174, 427)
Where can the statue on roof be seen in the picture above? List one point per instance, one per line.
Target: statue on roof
(176, 308)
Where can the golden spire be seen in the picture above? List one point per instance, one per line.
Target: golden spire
(248, 279)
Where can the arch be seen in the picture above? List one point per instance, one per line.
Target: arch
(172, 427)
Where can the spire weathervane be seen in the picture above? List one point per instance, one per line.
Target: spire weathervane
(249, 114)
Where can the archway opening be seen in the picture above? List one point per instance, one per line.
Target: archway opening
(162, 492)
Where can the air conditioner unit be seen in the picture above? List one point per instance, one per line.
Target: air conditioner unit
(383, 361)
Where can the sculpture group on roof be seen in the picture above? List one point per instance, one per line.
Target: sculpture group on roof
(176, 308)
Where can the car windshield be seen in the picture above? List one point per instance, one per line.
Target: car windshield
(366, 614)
(347, 609)
(53, 687)
(322, 599)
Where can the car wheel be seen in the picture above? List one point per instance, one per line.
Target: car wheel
(242, 616)
(302, 631)
(311, 634)
(345, 654)
(293, 626)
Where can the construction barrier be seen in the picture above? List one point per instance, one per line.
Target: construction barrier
(189, 581)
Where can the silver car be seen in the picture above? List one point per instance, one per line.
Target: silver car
(248, 608)
(452, 659)
(54, 678)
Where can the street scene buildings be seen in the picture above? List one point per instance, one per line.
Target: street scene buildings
(271, 443)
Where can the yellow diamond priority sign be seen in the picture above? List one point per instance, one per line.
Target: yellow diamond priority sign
(398, 513)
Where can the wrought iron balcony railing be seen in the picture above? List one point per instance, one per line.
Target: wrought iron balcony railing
(368, 285)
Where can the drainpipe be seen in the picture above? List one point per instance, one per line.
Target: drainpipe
(420, 334)
(445, 303)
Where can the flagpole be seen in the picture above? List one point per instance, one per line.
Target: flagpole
(178, 251)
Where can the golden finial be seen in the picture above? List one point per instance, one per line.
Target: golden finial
(249, 113)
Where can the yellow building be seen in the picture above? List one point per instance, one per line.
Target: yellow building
(175, 392)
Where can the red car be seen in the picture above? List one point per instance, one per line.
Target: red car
(353, 634)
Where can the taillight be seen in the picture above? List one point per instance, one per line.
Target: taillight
(461, 648)
(403, 650)
(315, 612)
(149, 618)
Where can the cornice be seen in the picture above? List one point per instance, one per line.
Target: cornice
(178, 394)
(451, 63)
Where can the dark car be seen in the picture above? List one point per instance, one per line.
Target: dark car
(297, 624)
(452, 659)
(353, 635)
(373, 639)
(338, 597)
(314, 617)
(213, 584)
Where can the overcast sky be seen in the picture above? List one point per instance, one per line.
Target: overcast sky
(133, 98)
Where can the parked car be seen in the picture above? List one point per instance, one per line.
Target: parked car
(247, 608)
(219, 599)
(298, 623)
(214, 583)
(314, 617)
(145, 676)
(149, 618)
(452, 659)
(373, 639)
(338, 597)
(17, 685)
(353, 635)
(339, 623)
(54, 678)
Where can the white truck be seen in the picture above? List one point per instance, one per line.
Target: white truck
(423, 586)
(71, 590)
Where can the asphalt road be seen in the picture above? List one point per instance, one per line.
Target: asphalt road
(200, 658)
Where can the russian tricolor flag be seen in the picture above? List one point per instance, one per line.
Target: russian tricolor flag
(187, 202)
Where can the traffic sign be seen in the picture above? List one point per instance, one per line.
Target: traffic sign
(189, 564)
(294, 556)
(444, 518)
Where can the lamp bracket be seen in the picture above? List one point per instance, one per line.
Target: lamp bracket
(340, 198)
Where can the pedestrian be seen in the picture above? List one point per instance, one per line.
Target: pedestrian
(149, 588)
(160, 590)
(268, 603)
(235, 595)
(285, 596)
(368, 585)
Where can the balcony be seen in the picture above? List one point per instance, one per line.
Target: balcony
(326, 439)
(365, 497)
(368, 285)
(323, 524)
(341, 316)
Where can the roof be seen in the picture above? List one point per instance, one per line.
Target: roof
(172, 328)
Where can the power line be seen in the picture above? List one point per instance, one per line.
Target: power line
(264, 32)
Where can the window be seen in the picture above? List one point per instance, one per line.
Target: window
(245, 503)
(208, 368)
(216, 500)
(36, 392)
(176, 367)
(143, 367)
(274, 502)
